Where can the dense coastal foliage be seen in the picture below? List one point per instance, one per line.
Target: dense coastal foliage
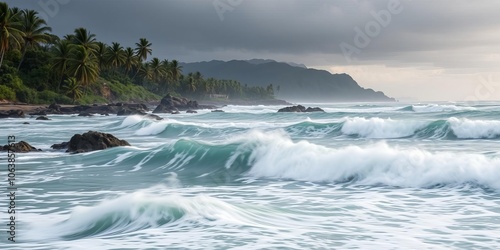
(37, 66)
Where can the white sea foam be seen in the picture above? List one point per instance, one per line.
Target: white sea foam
(380, 128)
(474, 129)
(276, 156)
(131, 121)
(137, 211)
(431, 108)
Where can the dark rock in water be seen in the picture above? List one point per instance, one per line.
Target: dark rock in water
(20, 147)
(316, 109)
(217, 111)
(128, 111)
(189, 111)
(92, 141)
(12, 114)
(43, 118)
(300, 108)
(85, 114)
(55, 107)
(26, 123)
(63, 145)
(171, 104)
(154, 117)
(105, 114)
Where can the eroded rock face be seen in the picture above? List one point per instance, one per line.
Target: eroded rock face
(12, 114)
(172, 104)
(86, 110)
(20, 147)
(42, 118)
(300, 108)
(63, 145)
(92, 141)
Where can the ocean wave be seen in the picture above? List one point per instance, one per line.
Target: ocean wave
(140, 211)
(375, 128)
(381, 128)
(474, 129)
(435, 108)
(258, 154)
(276, 156)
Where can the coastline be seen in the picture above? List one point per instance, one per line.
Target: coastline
(28, 108)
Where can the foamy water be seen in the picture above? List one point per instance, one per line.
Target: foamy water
(378, 176)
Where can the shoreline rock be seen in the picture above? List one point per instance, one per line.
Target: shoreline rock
(20, 147)
(172, 105)
(12, 114)
(90, 141)
(300, 109)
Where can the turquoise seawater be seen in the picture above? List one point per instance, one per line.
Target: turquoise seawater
(359, 176)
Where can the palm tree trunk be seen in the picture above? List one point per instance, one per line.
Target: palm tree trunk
(59, 84)
(1, 57)
(22, 57)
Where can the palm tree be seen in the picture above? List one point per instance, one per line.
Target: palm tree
(10, 29)
(115, 55)
(143, 49)
(157, 70)
(176, 70)
(35, 31)
(83, 65)
(144, 70)
(61, 55)
(84, 38)
(130, 60)
(192, 83)
(73, 89)
(167, 70)
(102, 48)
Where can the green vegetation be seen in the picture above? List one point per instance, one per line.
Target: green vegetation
(39, 67)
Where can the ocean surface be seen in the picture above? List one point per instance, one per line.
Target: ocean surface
(359, 176)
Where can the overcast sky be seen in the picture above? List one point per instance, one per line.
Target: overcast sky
(412, 50)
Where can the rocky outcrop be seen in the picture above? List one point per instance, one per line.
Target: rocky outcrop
(87, 114)
(12, 114)
(86, 110)
(20, 147)
(90, 141)
(300, 108)
(127, 111)
(171, 104)
(316, 109)
(43, 118)
(63, 145)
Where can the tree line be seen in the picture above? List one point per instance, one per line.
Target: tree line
(38, 66)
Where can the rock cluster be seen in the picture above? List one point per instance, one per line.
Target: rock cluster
(300, 108)
(12, 114)
(20, 147)
(173, 105)
(90, 141)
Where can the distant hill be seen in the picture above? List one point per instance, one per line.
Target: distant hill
(295, 81)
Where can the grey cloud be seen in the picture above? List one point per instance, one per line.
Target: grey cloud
(191, 30)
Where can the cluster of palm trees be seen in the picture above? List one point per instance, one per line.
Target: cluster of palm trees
(78, 60)
(21, 29)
